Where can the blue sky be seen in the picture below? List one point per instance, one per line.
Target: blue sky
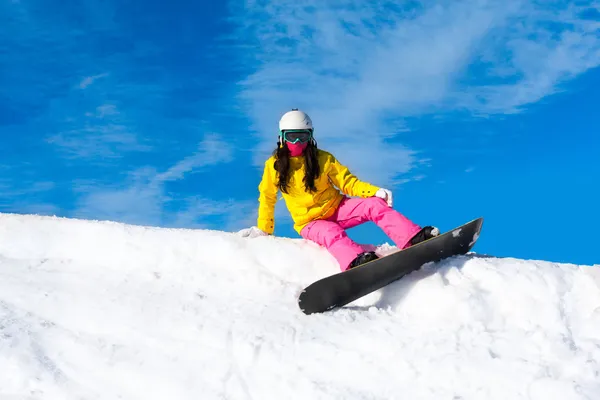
(162, 113)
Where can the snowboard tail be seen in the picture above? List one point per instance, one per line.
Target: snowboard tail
(344, 287)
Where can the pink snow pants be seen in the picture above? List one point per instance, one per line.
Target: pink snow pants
(351, 212)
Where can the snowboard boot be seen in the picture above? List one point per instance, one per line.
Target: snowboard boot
(427, 232)
(363, 258)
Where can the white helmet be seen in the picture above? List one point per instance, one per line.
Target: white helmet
(295, 120)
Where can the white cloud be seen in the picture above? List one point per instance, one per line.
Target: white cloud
(143, 199)
(212, 150)
(359, 68)
(25, 188)
(532, 54)
(90, 80)
(25, 196)
(104, 110)
(235, 215)
(99, 134)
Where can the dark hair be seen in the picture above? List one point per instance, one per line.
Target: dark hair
(311, 163)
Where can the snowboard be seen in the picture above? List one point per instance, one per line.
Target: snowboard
(344, 287)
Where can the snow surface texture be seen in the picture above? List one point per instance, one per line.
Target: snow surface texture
(100, 310)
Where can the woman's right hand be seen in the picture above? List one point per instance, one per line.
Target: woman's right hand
(252, 232)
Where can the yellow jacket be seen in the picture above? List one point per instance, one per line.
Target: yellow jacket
(302, 205)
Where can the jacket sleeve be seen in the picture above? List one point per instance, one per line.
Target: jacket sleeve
(267, 199)
(347, 182)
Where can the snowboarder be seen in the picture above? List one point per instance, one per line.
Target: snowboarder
(316, 188)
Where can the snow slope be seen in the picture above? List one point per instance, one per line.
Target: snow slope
(100, 310)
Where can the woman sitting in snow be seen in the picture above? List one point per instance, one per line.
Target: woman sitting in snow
(309, 179)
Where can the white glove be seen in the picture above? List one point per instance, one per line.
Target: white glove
(386, 195)
(252, 232)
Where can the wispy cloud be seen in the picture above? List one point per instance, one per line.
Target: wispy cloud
(9, 190)
(144, 198)
(90, 80)
(537, 48)
(360, 68)
(102, 105)
(97, 141)
(71, 85)
(95, 127)
(224, 214)
(212, 150)
(25, 197)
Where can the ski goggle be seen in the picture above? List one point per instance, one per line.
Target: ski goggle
(297, 135)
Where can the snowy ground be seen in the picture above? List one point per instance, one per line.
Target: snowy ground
(93, 310)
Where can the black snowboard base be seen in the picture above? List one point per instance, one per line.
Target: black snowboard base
(342, 288)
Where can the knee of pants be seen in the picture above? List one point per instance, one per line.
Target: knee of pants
(332, 237)
(324, 234)
(376, 202)
(376, 205)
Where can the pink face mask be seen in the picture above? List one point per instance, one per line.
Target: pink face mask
(296, 149)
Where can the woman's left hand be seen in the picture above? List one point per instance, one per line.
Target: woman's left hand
(386, 195)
